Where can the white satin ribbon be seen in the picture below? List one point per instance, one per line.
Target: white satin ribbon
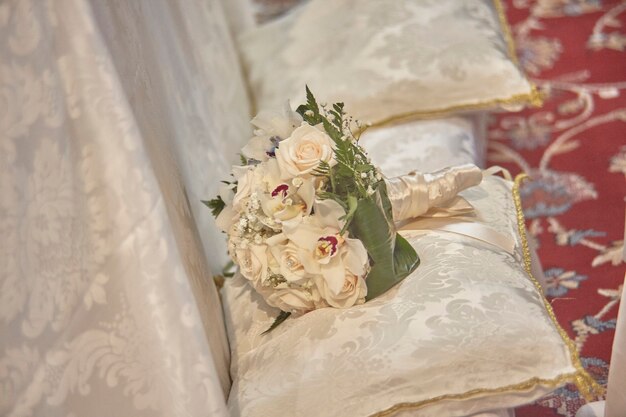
(497, 169)
(464, 227)
(425, 202)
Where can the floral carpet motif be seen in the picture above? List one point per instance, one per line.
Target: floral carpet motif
(574, 149)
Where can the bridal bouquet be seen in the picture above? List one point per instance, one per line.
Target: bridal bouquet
(307, 215)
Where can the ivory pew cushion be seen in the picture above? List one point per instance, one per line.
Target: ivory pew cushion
(469, 331)
(426, 145)
(388, 59)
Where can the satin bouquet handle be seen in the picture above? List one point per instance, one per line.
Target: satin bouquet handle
(415, 194)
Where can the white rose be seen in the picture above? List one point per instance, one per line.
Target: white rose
(245, 177)
(353, 291)
(253, 261)
(302, 152)
(290, 266)
(294, 300)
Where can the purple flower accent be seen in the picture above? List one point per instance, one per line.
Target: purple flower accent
(275, 140)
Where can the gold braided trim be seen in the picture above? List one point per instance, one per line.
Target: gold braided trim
(534, 98)
(587, 386)
(514, 388)
(506, 30)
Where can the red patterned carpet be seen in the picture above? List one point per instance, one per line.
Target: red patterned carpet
(574, 148)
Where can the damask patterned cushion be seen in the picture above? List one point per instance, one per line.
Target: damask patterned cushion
(468, 331)
(428, 144)
(388, 59)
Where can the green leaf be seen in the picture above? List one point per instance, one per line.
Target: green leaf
(352, 206)
(326, 195)
(392, 258)
(322, 169)
(337, 112)
(310, 99)
(216, 205)
(281, 317)
(229, 269)
(314, 117)
(405, 259)
(333, 132)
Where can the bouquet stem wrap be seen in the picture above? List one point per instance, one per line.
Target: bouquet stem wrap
(393, 258)
(401, 199)
(414, 194)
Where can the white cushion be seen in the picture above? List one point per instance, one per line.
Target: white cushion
(425, 145)
(467, 332)
(387, 59)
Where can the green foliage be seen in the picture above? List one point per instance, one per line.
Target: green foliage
(325, 195)
(229, 269)
(216, 205)
(322, 170)
(281, 317)
(352, 206)
(352, 176)
(392, 258)
(310, 111)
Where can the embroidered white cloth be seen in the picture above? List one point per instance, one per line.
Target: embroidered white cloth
(114, 116)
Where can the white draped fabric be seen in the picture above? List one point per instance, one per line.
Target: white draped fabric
(114, 119)
(616, 393)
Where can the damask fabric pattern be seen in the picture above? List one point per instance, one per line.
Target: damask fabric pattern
(386, 59)
(108, 115)
(574, 150)
(428, 145)
(468, 320)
